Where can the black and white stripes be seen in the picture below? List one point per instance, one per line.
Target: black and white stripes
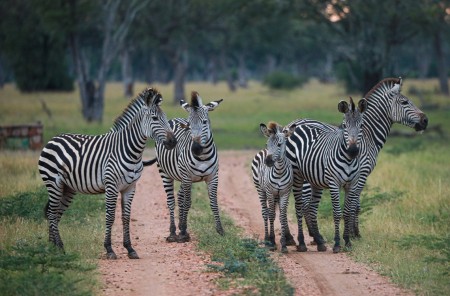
(328, 158)
(272, 176)
(194, 160)
(108, 163)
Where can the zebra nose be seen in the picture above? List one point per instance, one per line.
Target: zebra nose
(423, 123)
(269, 161)
(170, 141)
(197, 149)
(353, 150)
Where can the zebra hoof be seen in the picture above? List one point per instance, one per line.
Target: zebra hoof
(111, 256)
(220, 231)
(284, 250)
(336, 249)
(322, 248)
(184, 238)
(302, 248)
(172, 238)
(290, 241)
(133, 255)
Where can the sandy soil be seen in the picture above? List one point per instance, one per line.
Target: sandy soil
(178, 269)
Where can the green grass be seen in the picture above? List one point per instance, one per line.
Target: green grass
(29, 265)
(247, 266)
(406, 202)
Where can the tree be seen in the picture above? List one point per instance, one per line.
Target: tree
(36, 55)
(78, 19)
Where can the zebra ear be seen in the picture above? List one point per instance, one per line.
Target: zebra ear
(185, 105)
(213, 105)
(289, 132)
(343, 106)
(362, 105)
(264, 130)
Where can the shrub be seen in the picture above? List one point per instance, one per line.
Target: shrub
(283, 80)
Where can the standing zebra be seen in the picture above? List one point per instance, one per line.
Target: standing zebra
(195, 159)
(386, 106)
(272, 176)
(108, 163)
(327, 158)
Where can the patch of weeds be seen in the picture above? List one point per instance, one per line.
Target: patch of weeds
(30, 205)
(370, 200)
(438, 244)
(42, 269)
(411, 145)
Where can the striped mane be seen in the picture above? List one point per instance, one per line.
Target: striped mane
(128, 114)
(196, 101)
(273, 126)
(386, 83)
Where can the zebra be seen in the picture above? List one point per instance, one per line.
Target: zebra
(272, 176)
(386, 106)
(327, 158)
(108, 163)
(194, 160)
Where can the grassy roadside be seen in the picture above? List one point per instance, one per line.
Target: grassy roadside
(246, 266)
(405, 220)
(29, 265)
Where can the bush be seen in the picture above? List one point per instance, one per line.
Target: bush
(283, 80)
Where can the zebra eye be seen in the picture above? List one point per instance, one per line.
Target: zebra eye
(279, 144)
(155, 118)
(404, 102)
(205, 121)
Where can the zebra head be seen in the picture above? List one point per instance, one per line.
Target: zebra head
(276, 141)
(198, 121)
(353, 118)
(155, 123)
(403, 110)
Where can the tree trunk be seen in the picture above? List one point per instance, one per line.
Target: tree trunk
(242, 72)
(227, 71)
(179, 75)
(211, 71)
(127, 76)
(441, 63)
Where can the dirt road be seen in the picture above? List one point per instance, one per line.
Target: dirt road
(177, 269)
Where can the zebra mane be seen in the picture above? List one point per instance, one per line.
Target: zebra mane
(196, 101)
(129, 113)
(387, 83)
(273, 126)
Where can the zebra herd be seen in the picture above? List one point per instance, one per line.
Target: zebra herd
(304, 157)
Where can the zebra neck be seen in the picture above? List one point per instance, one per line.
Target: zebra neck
(280, 166)
(377, 124)
(134, 140)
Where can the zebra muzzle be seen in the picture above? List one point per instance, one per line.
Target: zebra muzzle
(353, 151)
(422, 124)
(269, 161)
(197, 149)
(170, 141)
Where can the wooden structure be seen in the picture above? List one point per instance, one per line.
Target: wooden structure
(24, 136)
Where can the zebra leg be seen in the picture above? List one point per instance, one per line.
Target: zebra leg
(334, 191)
(53, 212)
(127, 198)
(168, 187)
(265, 214)
(311, 210)
(111, 200)
(184, 203)
(284, 201)
(272, 244)
(297, 191)
(212, 192)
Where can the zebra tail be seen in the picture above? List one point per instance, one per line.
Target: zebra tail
(149, 162)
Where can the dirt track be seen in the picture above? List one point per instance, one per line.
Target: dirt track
(177, 269)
